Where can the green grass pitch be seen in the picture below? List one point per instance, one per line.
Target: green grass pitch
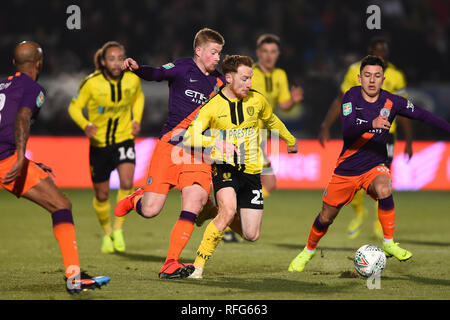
(31, 264)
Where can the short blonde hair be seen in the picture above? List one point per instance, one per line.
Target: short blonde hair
(208, 35)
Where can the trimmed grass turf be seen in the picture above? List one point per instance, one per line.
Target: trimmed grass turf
(31, 265)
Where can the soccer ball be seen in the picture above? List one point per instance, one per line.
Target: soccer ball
(369, 260)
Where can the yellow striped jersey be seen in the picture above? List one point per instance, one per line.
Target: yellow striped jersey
(236, 121)
(273, 85)
(112, 105)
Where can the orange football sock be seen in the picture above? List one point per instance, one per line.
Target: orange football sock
(181, 233)
(318, 230)
(64, 232)
(386, 215)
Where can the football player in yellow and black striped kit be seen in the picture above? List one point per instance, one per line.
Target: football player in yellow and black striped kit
(232, 116)
(115, 104)
(273, 83)
(395, 83)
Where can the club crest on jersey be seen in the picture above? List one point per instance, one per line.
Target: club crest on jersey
(149, 180)
(40, 99)
(169, 65)
(385, 112)
(250, 110)
(347, 108)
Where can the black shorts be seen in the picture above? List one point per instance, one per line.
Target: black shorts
(104, 160)
(247, 186)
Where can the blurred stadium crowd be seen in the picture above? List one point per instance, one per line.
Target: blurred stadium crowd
(320, 39)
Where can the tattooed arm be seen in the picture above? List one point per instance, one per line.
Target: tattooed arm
(21, 134)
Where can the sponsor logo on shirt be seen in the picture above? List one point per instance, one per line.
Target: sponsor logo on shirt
(347, 108)
(196, 97)
(250, 110)
(410, 106)
(4, 85)
(360, 121)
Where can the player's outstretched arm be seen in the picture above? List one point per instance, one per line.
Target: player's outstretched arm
(330, 118)
(294, 148)
(21, 134)
(407, 131)
(274, 123)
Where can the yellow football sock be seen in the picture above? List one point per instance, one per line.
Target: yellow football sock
(265, 193)
(103, 210)
(118, 221)
(211, 239)
(358, 203)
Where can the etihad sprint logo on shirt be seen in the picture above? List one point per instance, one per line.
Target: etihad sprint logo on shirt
(196, 97)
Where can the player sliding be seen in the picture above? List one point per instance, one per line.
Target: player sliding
(21, 98)
(362, 162)
(191, 82)
(233, 115)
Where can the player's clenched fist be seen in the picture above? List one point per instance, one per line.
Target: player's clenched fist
(130, 64)
(381, 123)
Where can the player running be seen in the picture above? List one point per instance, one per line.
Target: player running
(191, 82)
(233, 116)
(366, 117)
(273, 83)
(115, 104)
(395, 83)
(21, 98)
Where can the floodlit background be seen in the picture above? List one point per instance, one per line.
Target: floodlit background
(320, 39)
